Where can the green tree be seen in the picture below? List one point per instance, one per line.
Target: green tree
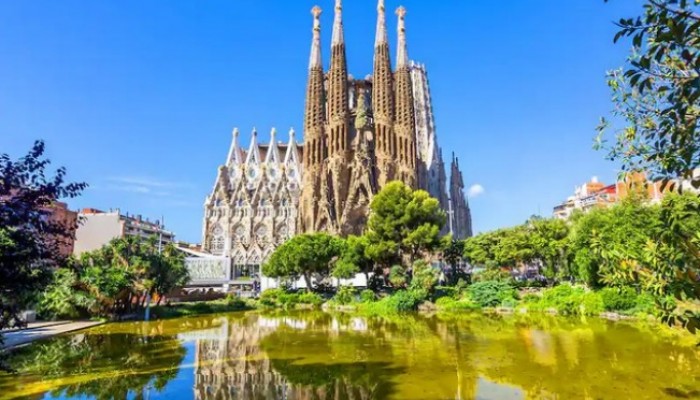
(657, 94)
(353, 259)
(30, 239)
(549, 242)
(452, 253)
(403, 225)
(603, 240)
(305, 256)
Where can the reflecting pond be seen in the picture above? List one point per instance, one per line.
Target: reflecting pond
(314, 355)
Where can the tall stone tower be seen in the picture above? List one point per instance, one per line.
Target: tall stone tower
(460, 214)
(367, 136)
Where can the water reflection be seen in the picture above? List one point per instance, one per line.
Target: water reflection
(314, 355)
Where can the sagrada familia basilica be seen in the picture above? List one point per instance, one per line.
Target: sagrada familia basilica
(359, 134)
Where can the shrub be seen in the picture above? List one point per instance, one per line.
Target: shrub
(644, 304)
(490, 293)
(425, 277)
(492, 274)
(397, 276)
(367, 296)
(345, 295)
(310, 298)
(591, 304)
(405, 300)
(452, 304)
(278, 298)
(235, 302)
(569, 300)
(621, 299)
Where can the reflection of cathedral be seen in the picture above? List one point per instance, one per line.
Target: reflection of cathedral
(359, 134)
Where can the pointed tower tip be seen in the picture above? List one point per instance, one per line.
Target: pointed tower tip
(273, 133)
(381, 36)
(291, 133)
(338, 24)
(235, 132)
(402, 52)
(315, 57)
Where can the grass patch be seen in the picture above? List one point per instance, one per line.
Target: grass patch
(230, 303)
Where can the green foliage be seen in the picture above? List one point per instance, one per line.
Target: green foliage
(310, 298)
(568, 300)
(452, 304)
(425, 277)
(397, 276)
(403, 224)
(657, 95)
(619, 299)
(367, 296)
(492, 274)
(30, 239)
(60, 300)
(280, 298)
(490, 293)
(405, 300)
(304, 255)
(345, 295)
(353, 258)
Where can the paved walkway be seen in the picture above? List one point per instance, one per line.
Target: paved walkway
(41, 330)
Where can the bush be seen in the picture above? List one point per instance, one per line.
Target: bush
(490, 293)
(591, 304)
(568, 300)
(425, 277)
(621, 299)
(405, 300)
(397, 276)
(278, 298)
(310, 298)
(492, 274)
(235, 303)
(644, 304)
(345, 295)
(367, 296)
(452, 304)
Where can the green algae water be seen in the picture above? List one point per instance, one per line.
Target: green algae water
(314, 355)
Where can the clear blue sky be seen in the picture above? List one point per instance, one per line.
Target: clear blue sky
(138, 98)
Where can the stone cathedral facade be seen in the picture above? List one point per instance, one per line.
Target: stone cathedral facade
(359, 134)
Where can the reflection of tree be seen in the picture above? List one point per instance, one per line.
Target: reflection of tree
(557, 357)
(110, 366)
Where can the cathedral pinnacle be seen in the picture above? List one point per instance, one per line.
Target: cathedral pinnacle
(381, 25)
(315, 59)
(402, 53)
(338, 24)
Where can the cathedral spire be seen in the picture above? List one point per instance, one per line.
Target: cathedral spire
(404, 126)
(315, 57)
(234, 153)
(381, 36)
(315, 149)
(338, 24)
(402, 52)
(314, 116)
(338, 110)
(383, 101)
(273, 155)
(253, 156)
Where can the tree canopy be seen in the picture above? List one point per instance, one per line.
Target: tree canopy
(403, 224)
(29, 238)
(657, 94)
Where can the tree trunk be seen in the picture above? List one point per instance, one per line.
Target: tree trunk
(307, 279)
